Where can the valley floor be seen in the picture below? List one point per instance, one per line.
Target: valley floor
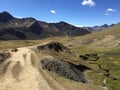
(105, 71)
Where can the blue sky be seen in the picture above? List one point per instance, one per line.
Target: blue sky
(77, 12)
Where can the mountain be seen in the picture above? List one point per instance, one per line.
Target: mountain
(12, 28)
(99, 28)
(5, 17)
(70, 30)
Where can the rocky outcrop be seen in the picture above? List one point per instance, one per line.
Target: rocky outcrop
(53, 46)
(64, 69)
(61, 66)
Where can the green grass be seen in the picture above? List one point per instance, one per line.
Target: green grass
(113, 84)
(109, 61)
(109, 57)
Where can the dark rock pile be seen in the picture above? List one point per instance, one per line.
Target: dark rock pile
(4, 56)
(64, 69)
(89, 57)
(56, 46)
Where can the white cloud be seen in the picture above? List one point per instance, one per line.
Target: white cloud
(111, 10)
(78, 25)
(50, 21)
(18, 17)
(53, 11)
(89, 3)
(107, 14)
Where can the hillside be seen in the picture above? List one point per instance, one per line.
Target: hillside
(101, 50)
(108, 37)
(12, 28)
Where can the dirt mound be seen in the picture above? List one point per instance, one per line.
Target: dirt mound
(58, 50)
(53, 46)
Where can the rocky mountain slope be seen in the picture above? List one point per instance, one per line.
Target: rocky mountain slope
(12, 28)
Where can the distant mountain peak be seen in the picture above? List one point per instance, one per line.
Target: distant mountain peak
(99, 28)
(112, 24)
(30, 18)
(105, 25)
(4, 12)
(63, 22)
(5, 17)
